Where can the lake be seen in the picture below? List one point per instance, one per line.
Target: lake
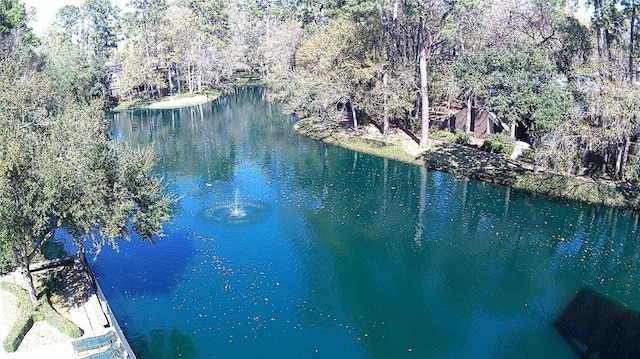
(284, 247)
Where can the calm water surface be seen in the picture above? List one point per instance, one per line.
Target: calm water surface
(341, 254)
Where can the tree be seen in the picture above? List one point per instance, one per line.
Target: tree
(101, 23)
(140, 56)
(60, 170)
(14, 16)
(519, 84)
(78, 74)
(68, 19)
(631, 12)
(423, 58)
(610, 116)
(176, 38)
(320, 80)
(434, 16)
(608, 23)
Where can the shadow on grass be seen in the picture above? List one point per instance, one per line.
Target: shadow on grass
(75, 286)
(472, 163)
(487, 167)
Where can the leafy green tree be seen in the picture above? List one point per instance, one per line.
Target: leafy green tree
(102, 19)
(318, 83)
(610, 117)
(79, 47)
(279, 50)
(434, 16)
(60, 169)
(211, 16)
(14, 16)
(148, 14)
(574, 46)
(519, 84)
(139, 56)
(78, 74)
(68, 19)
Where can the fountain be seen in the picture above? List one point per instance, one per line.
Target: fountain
(236, 210)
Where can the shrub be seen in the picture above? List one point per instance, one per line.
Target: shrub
(502, 138)
(30, 313)
(6, 260)
(17, 332)
(57, 320)
(442, 135)
(499, 143)
(632, 169)
(462, 137)
(454, 136)
(494, 146)
(16, 290)
(526, 155)
(25, 320)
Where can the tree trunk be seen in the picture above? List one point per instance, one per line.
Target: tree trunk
(394, 26)
(469, 111)
(353, 116)
(190, 79)
(23, 263)
(619, 157)
(625, 156)
(385, 105)
(607, 38)
(597, 11)
(424, 89)
(632, 73)
(178, 80)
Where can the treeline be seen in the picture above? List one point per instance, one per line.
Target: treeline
(566, 86)
(158, 47)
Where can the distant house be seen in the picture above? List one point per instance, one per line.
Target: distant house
(483, 123)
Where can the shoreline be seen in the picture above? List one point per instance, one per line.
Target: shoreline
(471, 163)
(168, 102)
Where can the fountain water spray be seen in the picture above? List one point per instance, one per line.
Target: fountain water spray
(236, 210)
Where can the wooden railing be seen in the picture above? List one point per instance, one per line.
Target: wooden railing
(107, 309)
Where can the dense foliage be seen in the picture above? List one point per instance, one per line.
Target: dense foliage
(59, 168)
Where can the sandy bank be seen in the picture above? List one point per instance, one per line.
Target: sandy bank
(177, 102)
(170, 102)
